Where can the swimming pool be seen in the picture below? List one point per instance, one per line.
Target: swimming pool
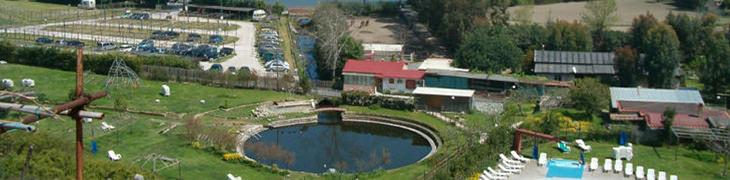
(561, 168)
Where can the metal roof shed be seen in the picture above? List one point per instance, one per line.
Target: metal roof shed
(654, 95)
(443, 99)
(443, 92)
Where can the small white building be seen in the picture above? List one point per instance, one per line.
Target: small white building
(381, 52)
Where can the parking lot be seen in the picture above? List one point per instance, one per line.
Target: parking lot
(197, 43)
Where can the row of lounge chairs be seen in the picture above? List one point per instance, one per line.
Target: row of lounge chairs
(618, 166)
(506, 167)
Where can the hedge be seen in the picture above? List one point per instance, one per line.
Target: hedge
(359, 98)
(56, 58)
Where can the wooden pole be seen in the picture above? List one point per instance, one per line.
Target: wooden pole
(75, 114)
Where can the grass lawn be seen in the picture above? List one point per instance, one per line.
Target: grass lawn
(183, 24)
(690, 164)
(24, 12)
(56, 85)
(127, 32)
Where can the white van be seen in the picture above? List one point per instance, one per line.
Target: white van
(258, 15)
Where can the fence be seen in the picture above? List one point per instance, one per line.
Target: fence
(266, 80)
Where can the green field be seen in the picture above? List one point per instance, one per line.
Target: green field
(23, 12)
(126, 32)
(689, 164)
(137, 135)
(183, 24)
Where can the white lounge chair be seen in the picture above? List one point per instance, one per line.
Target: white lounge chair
(618, 166)
(662, 175)
(502, 168)
(518, 156)
(640, 172)
(483, 177)
(114, 156)
(673, 177)
(513, 166)
(629, 170)
(493, 177)
(542, 160)
(607, 165)
(105, 126)
(650, 175)
(231, 177)
(582, 145)
(507, 160)
(594, 164)
(505, 174)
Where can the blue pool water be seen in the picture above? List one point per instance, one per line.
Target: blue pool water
(560, 168)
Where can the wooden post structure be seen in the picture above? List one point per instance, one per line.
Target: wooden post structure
(75, 114)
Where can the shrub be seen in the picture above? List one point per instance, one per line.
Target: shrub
(359, 98)
(232, 157)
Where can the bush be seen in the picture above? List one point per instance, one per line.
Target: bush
(359, 98)
(56, 58)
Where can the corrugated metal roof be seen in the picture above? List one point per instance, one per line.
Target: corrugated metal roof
(573, 57)
(443, 92)
(382, 47)
(654, 95)
(563, 62)
(439, 64)
(456, 74)
(579, 69)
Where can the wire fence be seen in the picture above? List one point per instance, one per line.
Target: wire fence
(282, 81)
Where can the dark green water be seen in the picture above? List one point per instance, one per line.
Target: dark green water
(345, 146)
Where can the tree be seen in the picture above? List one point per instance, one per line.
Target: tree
(668, 122)
(692, 33)
(639, 28)
(330, 24)
(351, 49)
(488, 49)
(626, 61)
(600, 14)
(278, 7)
(662, 56)
(715, 73)
(610, 40)
(588, 95)
(567, 36)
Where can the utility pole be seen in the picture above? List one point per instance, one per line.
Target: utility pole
(75, 114)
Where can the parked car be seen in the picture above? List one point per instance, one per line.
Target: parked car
(146, 45)
(74, 43)
(181, 49)
(215, 39)
(205, 51)
(139, 16)
(216, 68)
(244, 69)
(44, 40)
(164, 35)
(278, 66)
(226, 51)
(231, 69)
(193, 37)
(105, 46)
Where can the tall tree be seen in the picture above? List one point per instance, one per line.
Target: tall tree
(567, 36)
(489, 49)
(715, 73)
(600, 14)
(589, 95)
(626, 61)
(330, 24)
(662, 56)
(639, 28)
(668, 122)
(692, 33)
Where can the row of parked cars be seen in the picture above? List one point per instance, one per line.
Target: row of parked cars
(136, 15)
(269, 49)
(192, 37)
(61, 42)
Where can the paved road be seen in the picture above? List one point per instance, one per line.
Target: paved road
(244, 47)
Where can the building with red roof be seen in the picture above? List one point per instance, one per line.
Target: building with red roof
(648, 105)
(380, 76)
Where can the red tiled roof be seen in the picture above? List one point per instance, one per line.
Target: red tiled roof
(383, 69)
(654, 120)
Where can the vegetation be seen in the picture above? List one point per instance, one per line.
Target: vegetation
(601, 14)
(589, 95)
(334, 44)
(640, 28)
(668, 122)
(627, 60)
(567, 36)
(364, 99)
(662, 56)
(489, 49)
